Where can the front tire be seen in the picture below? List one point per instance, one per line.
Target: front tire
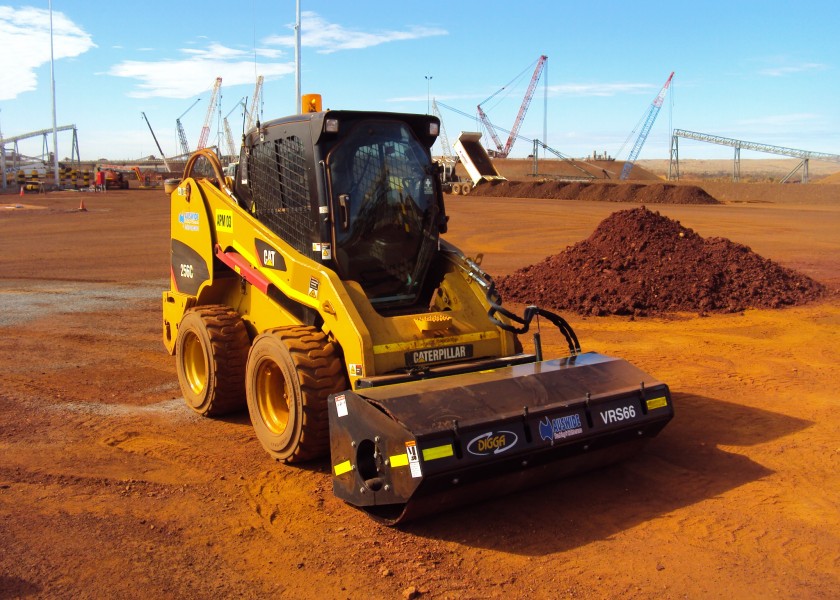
(211, 352)
(291, 372)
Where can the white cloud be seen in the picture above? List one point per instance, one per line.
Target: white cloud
(784, 70)
(25, 46)
(173, 78)
(326, 37)
(599, 89)
(185, 78)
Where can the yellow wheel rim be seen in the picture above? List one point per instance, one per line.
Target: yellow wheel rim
(195, 366)
(272, 397)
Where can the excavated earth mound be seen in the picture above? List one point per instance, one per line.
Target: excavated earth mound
(649, 193)
(640, 263)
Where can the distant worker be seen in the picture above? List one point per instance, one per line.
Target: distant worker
(99, 183)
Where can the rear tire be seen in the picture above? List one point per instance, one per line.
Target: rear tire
(211, 352)
(466, 188)
(456, 189)
(290, 374)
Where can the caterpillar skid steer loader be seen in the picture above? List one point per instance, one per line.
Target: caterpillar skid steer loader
(314, 285)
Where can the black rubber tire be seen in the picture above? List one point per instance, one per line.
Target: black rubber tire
(466, 188)
(211, 352)
(290, 374)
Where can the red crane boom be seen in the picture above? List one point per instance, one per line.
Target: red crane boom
(526, 102)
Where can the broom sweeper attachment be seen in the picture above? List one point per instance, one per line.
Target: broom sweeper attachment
(409, 449)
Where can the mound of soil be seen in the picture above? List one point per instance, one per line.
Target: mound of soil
(833, 178)
(638, 262)
(645, 193)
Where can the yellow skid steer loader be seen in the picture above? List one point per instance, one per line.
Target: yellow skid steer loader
(314, 285)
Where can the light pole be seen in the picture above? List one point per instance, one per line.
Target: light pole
(52, 79)
(428, 93)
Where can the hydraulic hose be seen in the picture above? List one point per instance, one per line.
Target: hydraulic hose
(495, 300)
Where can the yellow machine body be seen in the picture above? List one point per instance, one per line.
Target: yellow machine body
(311, 282)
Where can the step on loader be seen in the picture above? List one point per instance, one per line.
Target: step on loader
(314, 285)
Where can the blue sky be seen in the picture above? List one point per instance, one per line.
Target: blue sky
(760, 71)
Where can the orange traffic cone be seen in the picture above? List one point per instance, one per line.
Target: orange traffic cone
(21, 190)
(82, 205)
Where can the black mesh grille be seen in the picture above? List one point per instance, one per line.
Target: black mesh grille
(280, 191)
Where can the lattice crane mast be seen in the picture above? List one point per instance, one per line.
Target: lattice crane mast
(228, 135)
(256, 99)
(503, 151)
(526, 102)
(446, 149)
(182, 137)
(490, 129)
(649, 119)
(205, 131)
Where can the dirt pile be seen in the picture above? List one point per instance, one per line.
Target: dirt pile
(640, 263)
(833, 178)
(650, 193)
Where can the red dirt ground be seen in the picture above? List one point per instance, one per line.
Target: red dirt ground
(111, 487)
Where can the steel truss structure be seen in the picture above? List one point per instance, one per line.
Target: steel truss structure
(804, 155)
(45, 148)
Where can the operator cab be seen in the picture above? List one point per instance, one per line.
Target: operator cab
(385, 206)
(356, 191)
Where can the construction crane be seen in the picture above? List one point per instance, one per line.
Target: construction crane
(256, 99)
(228, 136)
(446, 149)
(162, 155)
(653, 111)
(485, 121)
(504, 151)
(182, 137)
(205, 131)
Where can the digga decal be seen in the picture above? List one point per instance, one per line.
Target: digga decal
(492, 442)
(224, 220)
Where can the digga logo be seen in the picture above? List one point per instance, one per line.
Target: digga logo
(224, 220)
(492, 442)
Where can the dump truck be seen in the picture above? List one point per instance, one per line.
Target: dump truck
(478, 164)
(316, 287)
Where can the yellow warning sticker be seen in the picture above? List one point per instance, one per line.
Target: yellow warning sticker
(654, 403)
(437, 452)
(224, 220)
(343, 467)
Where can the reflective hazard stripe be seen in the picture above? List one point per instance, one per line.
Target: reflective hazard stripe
(660, 402)
(343, 467)
(437, 452)
(423, 344)
(399, 460)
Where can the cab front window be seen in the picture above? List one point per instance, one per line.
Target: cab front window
(385, 211)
